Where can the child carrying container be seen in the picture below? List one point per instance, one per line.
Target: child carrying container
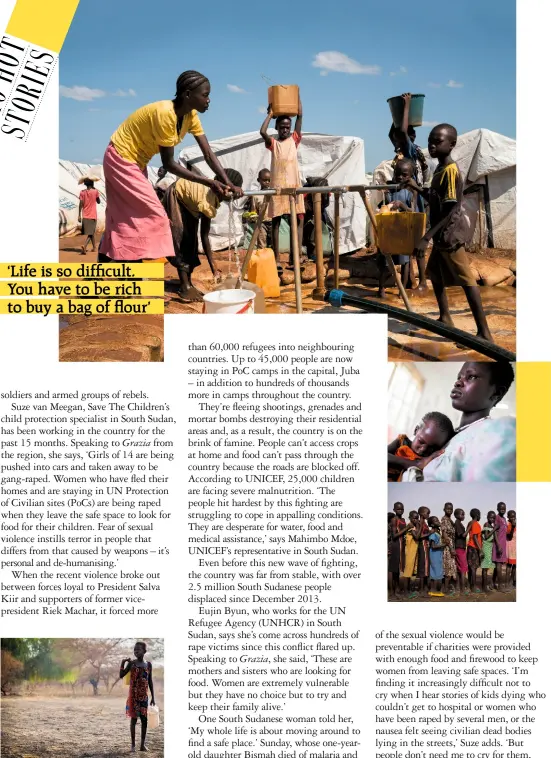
(284, 171)
(402, 200)
(403, 138)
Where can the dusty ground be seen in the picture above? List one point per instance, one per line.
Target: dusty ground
(80, 727)
(482, 597)
(405, 342)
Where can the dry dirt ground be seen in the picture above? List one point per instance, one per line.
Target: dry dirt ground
(80, 727)
(405, 342)
(482, 597)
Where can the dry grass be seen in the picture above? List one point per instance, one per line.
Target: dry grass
(80, 727)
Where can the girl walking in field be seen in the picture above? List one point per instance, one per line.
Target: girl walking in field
(141, 680)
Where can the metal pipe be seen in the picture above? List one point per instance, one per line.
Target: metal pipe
(322, 190)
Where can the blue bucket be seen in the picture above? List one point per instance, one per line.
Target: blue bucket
(396, 105)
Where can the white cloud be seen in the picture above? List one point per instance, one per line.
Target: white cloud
(392, 73)
(332, 60)
(236, 89)
(454, 85)
(94, 110)
(355, 102)
(124, 93)
(262, 109)
(434, 85)
(80, 93)
(403, 70)
(431, 123)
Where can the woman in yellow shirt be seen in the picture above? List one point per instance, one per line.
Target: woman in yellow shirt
(136, 225)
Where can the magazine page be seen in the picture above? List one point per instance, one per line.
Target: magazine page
(193, 557)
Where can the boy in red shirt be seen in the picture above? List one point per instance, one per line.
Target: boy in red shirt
(88, 214)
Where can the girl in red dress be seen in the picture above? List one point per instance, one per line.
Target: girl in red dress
(141, 680)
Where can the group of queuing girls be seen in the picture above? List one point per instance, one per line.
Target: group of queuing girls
(432, 557)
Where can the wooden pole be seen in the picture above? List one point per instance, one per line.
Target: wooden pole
(296, 253)
(318, 231)
(488, 209)
(388, 258)
(252, 243)
(336, 240)
(480, 220)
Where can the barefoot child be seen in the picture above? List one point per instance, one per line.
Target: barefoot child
(512, 549)
(474, 548)
(448, 265)
(431, 435)
(436, 558)
(136, 226)
(190, 206)
(396, 560)
(252, 209)
(390, 516)
(88, 213)
(447, 530)
(141, 680)
(284, 171)
(410, 566)
(402, 200)
(461, 549)
(488, 536)
(423, 561)
(403, 138)
(499, 552)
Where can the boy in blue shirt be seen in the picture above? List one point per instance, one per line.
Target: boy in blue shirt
(403, 139)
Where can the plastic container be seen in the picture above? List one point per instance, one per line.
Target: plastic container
(283, 99)
(263, 272)
(399, 233)
(396, 105)
(153, 719)
(229, 301)
(127, 679)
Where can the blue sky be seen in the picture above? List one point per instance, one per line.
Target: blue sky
(120, 55)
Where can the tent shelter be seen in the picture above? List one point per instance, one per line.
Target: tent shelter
(69, 191)
(339, 159)
(488, 160)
